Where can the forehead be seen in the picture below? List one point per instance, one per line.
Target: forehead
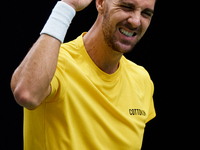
(139, 3)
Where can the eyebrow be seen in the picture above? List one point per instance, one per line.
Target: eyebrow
(133, 6)
(127, 4)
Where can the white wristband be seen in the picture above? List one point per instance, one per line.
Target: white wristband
(59, 21)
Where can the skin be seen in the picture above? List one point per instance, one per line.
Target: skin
(130, 18)
(104, 43)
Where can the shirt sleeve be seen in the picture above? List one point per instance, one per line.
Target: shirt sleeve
(59, 81)
(54, 89)
(152, 112)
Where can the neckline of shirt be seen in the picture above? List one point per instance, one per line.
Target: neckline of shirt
(103, 75)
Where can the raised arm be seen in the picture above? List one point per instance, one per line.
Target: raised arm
(30, 82)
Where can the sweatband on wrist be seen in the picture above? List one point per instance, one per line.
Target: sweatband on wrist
(59, 21)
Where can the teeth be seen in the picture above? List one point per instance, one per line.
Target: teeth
(129, 34)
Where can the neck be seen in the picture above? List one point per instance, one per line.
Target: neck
(102, 55)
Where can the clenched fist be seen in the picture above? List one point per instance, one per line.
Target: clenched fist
(78, 5)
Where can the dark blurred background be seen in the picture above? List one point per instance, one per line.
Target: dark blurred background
(161, 52)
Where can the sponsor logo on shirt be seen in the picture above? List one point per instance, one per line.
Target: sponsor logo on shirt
(137, 112)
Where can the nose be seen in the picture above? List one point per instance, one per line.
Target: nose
(134, 19)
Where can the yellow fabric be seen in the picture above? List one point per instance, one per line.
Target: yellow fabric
(89, 109)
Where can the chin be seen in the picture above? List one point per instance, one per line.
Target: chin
(123, 48)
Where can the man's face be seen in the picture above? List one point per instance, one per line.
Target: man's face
(125, 22)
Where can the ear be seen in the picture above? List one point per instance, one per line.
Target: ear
(100, 5)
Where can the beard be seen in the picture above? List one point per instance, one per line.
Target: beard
(110, 38)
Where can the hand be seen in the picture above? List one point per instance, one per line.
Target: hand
(78, 5)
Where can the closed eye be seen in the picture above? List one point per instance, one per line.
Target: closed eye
(126, 5)
(148, 13)
(128, 8)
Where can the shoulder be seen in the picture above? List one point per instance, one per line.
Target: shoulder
(135, 70)
(71, 50)
(138, 75)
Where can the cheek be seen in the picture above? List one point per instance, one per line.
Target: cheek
(144, 25)
(117, 15)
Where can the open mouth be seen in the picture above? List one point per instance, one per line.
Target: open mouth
(126, 33)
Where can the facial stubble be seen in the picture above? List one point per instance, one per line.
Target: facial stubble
(109, 35)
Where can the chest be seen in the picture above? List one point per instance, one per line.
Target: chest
(111, 113)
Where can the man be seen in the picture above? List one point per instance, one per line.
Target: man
(85, 95)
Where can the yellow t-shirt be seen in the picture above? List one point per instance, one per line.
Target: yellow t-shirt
(89, 109)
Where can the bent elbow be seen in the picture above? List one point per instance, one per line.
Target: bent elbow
(24, 98)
